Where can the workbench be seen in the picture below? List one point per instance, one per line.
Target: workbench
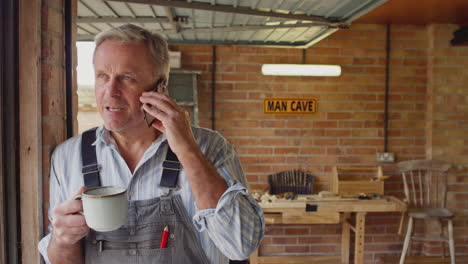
(311, 209)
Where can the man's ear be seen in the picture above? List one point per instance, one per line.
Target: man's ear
(156, 86)
(162, 86)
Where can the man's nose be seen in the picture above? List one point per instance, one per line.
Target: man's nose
(113, 87)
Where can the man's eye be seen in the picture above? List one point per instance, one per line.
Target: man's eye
(101, 75)
(127, 78)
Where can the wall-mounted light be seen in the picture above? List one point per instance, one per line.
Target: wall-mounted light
(301, 70)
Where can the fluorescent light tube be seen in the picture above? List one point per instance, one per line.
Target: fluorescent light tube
(301, 70)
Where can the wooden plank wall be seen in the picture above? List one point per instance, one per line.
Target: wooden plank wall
(30, 128)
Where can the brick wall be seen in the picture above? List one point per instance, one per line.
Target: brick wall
(348, 126)
(448, 122)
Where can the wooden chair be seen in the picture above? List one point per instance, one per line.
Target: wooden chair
(425, 183)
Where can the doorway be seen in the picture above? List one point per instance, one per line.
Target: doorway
(9, 213)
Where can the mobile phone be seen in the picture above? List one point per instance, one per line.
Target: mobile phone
(160, 87)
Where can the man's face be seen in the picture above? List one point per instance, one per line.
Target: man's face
(122, 73)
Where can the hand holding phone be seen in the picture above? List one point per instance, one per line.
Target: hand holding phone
(160, 87)
(172, 120)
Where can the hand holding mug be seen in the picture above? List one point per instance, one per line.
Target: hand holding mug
(68, 225)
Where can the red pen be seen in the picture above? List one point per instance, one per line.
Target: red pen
(164, 237)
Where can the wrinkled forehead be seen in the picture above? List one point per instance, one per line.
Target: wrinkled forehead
(123, 56)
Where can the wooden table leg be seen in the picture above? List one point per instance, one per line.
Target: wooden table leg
(345, 236)
(360, 234)
(254, 257)
(402, 220)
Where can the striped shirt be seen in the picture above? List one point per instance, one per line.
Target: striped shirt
(232, 230)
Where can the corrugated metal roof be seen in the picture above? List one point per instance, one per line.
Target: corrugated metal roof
(291, 23)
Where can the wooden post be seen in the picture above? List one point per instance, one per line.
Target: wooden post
(254, 257)
(360, 234)
(345, 236)
(30, 129)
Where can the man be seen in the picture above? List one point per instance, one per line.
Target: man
(215, 218)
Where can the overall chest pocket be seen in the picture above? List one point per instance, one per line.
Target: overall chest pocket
(121, 246)
(129, 255)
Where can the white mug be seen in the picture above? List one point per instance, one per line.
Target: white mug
(105, 208)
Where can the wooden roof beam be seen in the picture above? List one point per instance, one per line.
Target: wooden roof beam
(127, 19)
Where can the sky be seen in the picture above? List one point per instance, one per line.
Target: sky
(85, 71)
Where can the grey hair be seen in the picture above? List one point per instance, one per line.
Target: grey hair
(129, 34)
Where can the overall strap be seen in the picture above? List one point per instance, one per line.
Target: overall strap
(90, 167)
(171, 168)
